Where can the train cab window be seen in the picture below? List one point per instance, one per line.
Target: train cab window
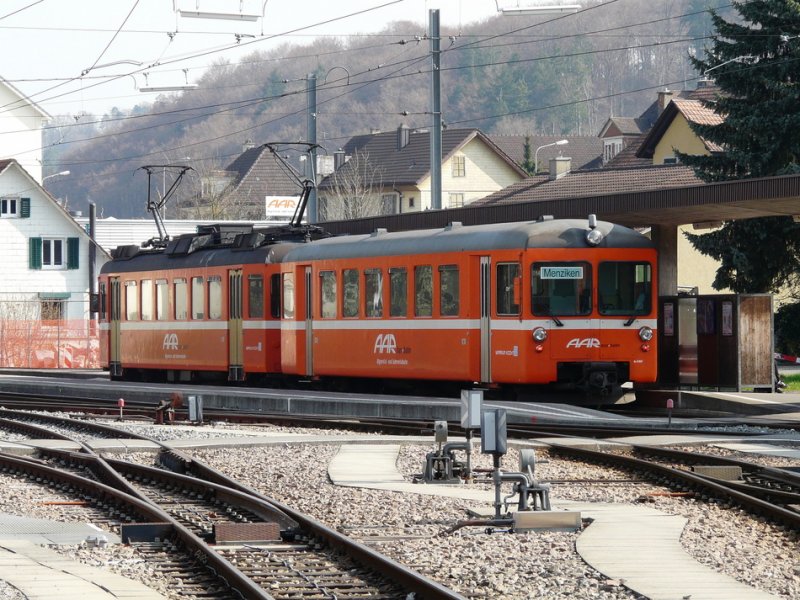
(275, 296)
(508, 293)
(255, 297)
(147, 299)
(561, 288)
(423, 291)
(198, 298)
(131, 301)
(215, 297)
(624, 288)
(373, 293)
(448, 290)
(181, 299)
(162, 300)
(327, 307)
(398, 292)
(350, 296)
(287, 280)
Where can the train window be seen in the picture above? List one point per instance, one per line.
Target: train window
(215, 297)
(147, 300)
(507, 288)
(398, 292)
(448, 290)
(328, 294)
(288, 295)
(131, 301)
(275, 296)
(423, 291)
(350, 296)
(373, 293)
(255, 297)
(102, 301)
(624, 288)
(162, 300)
(198, 298)
(181, 299)
(561, 288)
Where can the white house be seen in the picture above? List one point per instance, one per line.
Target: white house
(21, 129)
(45, 317)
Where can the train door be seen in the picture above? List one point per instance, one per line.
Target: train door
(235, 336)
(114, 358)
(486, 325)
(309, 324)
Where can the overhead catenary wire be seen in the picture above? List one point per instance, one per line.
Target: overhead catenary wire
(405, 75)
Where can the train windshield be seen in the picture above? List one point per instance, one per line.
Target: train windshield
(561, 288)
(624, 288)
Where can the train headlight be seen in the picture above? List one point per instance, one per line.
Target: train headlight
(540, 334)
(645, 334)
(594, 237)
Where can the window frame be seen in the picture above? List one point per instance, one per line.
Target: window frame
(422, 302)
(328, 285)
(49, 245)
(215, 298)
(349, 283)
(180, 289)
(373, 309)
(398, 276)
(515, 300)
(198, 297)
(458, 167)
(5, 201)
(255, 296)
(456, 298)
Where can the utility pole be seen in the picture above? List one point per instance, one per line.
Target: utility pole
(311, 134)
(436, 110)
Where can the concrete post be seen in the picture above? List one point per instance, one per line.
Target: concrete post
(666, 240)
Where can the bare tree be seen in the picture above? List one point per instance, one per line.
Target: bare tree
(356, 191)
(205, 194)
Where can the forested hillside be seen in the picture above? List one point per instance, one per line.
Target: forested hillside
(506, 75)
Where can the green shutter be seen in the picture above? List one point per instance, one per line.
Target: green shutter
(24, 208)
(73, 246)
(35, 253)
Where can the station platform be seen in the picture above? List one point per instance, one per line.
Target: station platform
(40, 573)
(637, 544)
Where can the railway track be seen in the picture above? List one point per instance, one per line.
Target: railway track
(770, 503)
(234, 542)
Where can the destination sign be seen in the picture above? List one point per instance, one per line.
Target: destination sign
(555, 272)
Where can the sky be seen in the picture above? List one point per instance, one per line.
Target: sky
(76, 57)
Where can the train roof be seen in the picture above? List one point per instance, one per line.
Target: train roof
(550, 233)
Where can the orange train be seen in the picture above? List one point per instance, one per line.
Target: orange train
(562, 304)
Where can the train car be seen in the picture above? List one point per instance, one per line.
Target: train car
(562, 304)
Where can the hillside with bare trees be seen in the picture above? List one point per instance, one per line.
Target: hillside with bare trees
(505, 75)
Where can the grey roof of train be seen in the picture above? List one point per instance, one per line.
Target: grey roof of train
(562, 233)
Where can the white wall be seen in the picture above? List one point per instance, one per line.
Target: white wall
(21, 130)
(47, 220)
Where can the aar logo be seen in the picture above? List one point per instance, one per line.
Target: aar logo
(583, 343)
(170, 342)
(385, 343)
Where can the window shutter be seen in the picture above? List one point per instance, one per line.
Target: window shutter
(35, 253)
(73, 247)
(24, 208)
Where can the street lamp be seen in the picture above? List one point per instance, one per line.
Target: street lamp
(536, 154)
(54, 175)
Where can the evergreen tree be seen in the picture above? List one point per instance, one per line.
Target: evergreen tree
(527, 163)
(756, 64)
